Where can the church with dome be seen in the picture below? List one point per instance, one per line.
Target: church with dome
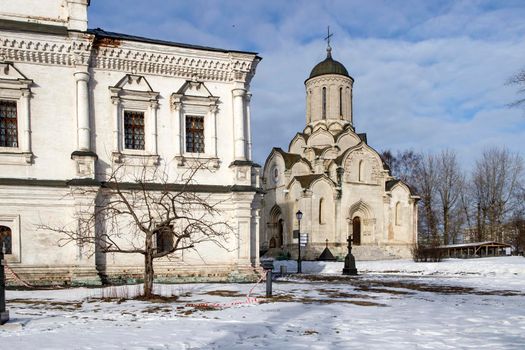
(337, 181)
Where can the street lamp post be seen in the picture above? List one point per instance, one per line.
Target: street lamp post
(4, 314)
(299, 216)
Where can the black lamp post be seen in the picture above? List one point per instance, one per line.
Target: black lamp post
(4, 314)
(299, 216)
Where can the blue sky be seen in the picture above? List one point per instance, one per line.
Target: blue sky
(428, 75)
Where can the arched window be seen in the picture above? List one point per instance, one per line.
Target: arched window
(398, 214)
(340, 101)
(321, 214)
(361, 171)
(5, 239)
(324, 103)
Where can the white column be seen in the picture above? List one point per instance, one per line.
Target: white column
(83, 131)
(211, 128)
(256, 214)
(25, 145)
(238, 124)
(115, 112)
(248, 126)
(177, 108)
(152, 114)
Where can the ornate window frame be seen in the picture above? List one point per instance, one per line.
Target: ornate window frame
(194, 99)
(15, 86)
(134, 93)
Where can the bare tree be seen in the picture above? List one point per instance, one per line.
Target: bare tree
(403, 164)
(497, 177)
(519, 80)
(450, 181)
(426, 178)
(139, 212)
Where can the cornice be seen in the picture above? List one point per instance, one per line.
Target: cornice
(319, 80)
(83, 49)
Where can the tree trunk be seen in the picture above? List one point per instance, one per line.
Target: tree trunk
(148, 275)
(445, 225)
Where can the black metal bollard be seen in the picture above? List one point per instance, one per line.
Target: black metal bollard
(267, 265)
(268, 283)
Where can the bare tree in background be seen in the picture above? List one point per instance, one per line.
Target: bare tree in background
(403, 164)
(519, 80)
(139, 212)
(449, 186)
(426, 178)
(497, 177)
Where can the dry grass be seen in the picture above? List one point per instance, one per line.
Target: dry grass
(48, 304)
(225, 293)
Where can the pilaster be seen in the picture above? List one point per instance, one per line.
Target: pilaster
(238, 124)
(84, 157)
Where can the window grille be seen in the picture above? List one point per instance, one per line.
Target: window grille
(8, 124)
(194, 134)
(133, 130)
(5, 239)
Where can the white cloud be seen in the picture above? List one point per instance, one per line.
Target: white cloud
(429, 74)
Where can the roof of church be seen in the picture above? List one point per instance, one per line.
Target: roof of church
(289, 158)
(329, 66)
(306, 180)
(391, 183)
(112, 35)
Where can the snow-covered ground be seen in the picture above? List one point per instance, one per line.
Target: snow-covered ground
(456, 304)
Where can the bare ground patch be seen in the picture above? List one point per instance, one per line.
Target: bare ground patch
(384, 285)
(225, 293)
(291, 298)
(48, 304)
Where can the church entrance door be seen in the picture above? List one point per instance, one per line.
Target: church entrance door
(280, 229)
(356, 231)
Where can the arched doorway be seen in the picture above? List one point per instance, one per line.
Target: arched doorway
(280, 233)
(356, 231)
(276, 228)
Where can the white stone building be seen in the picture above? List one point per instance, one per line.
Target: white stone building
(75, 103)
(336, 180)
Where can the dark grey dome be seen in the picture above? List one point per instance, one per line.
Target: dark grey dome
(329, 66)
